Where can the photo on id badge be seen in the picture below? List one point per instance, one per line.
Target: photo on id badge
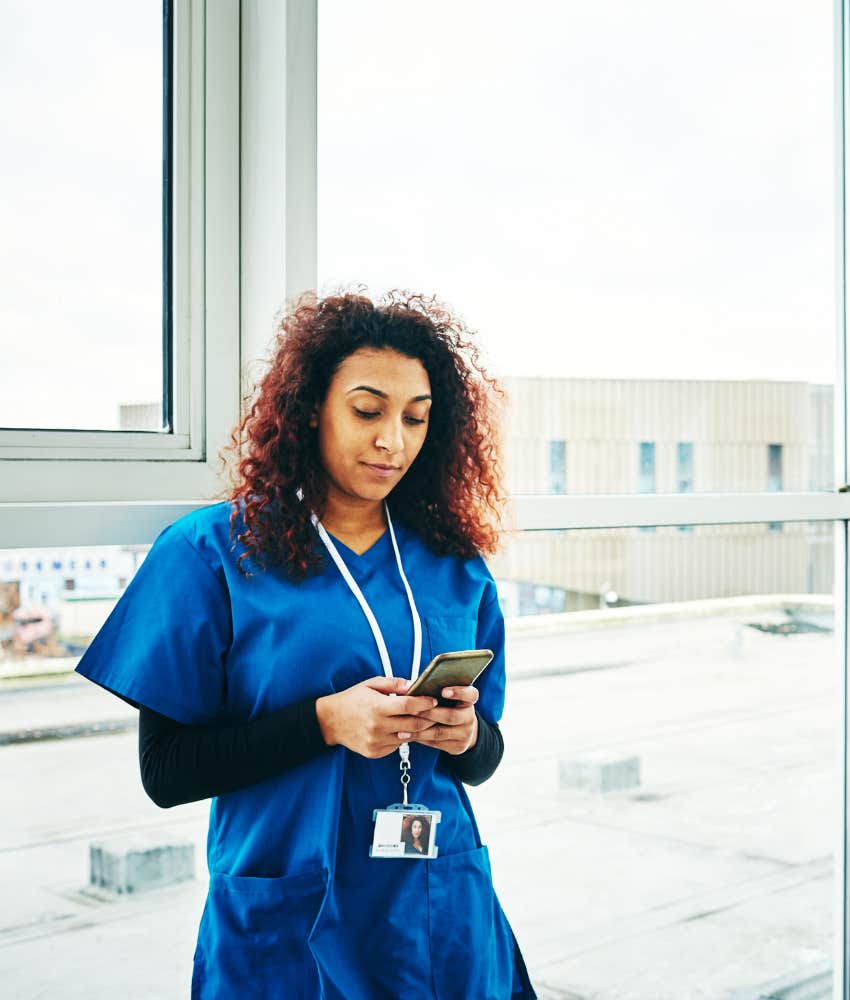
(407, 834)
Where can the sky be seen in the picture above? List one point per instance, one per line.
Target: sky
(600, 190)
(80, 210)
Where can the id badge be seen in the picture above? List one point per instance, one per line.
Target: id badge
(408, 832)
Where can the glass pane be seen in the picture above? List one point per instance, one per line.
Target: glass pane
(642, 233)
(685, 467)
(69, 777)
(67, 592)
(557, 466)
(81, 327)
(663, 824)
(682, 674)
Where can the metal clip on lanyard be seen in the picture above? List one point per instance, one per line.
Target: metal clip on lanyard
(404, 748)
(404, 767)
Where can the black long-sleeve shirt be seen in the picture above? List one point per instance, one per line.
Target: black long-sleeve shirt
(181, 763)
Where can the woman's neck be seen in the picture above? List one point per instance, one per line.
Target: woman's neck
(349, 517)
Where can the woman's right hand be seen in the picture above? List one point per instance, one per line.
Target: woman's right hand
(366, 720)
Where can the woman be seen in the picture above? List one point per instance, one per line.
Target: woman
(254, 635)
(416, 836)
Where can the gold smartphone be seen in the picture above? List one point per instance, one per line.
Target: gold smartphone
(460, 668)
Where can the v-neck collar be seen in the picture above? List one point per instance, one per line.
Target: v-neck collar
(375, 550)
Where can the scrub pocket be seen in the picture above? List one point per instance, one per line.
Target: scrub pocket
(447, 635)
(472, 945)
(253, 937)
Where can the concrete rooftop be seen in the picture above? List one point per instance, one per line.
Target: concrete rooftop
(710, 880)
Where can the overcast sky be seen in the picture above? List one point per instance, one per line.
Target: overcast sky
(602, 189)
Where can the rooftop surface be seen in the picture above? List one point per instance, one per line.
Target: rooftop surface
(712, 878)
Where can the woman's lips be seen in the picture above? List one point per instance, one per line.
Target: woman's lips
(382, 471)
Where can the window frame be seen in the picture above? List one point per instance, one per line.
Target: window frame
(69, 465)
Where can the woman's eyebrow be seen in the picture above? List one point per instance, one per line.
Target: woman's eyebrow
(383, 395)
(368, 388)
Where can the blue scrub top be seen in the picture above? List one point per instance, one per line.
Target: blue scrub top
(296, 907)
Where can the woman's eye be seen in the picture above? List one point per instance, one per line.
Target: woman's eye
(367, 414)
(414, 420)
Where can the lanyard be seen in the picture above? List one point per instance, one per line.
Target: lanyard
(367, 611)
(404, 748)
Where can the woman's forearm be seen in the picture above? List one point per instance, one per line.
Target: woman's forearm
(181, 763)
(475, 765)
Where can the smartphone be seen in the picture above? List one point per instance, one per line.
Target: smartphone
(462, 668)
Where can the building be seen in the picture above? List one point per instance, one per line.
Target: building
(628, 436)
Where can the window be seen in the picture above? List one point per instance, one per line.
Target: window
(594, 162)
(646, 467)
(718, 718)
(557, 466)
(685, 467)
(774, 477)
(84, 215)
(646, 474)
(774, 468)
(685, 473)
(603, 207)
(136, 186)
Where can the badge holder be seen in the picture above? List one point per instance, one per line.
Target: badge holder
(405, 830)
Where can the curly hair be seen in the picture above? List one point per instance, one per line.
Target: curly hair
(451, 496)
(407, 835)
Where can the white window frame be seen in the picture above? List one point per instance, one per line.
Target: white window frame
(69, 466)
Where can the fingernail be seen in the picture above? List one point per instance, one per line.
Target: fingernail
(405, 685)
(404, 736)
(448, 693)
(434, 703)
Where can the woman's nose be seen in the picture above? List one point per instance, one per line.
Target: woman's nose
(390, 438)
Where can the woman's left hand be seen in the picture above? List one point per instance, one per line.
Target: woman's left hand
(455, 729)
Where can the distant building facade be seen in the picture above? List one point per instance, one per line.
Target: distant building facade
(140, 416)
(631, 436)
(78, 586)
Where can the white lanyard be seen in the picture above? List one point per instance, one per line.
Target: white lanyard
(404, 748)
(367, 611)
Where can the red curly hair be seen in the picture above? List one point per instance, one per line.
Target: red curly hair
(451, 496)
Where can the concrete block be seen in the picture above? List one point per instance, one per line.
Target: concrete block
(137, 862)
(600, 771)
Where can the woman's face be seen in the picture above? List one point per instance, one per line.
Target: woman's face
(416, 829)
(372, 422)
